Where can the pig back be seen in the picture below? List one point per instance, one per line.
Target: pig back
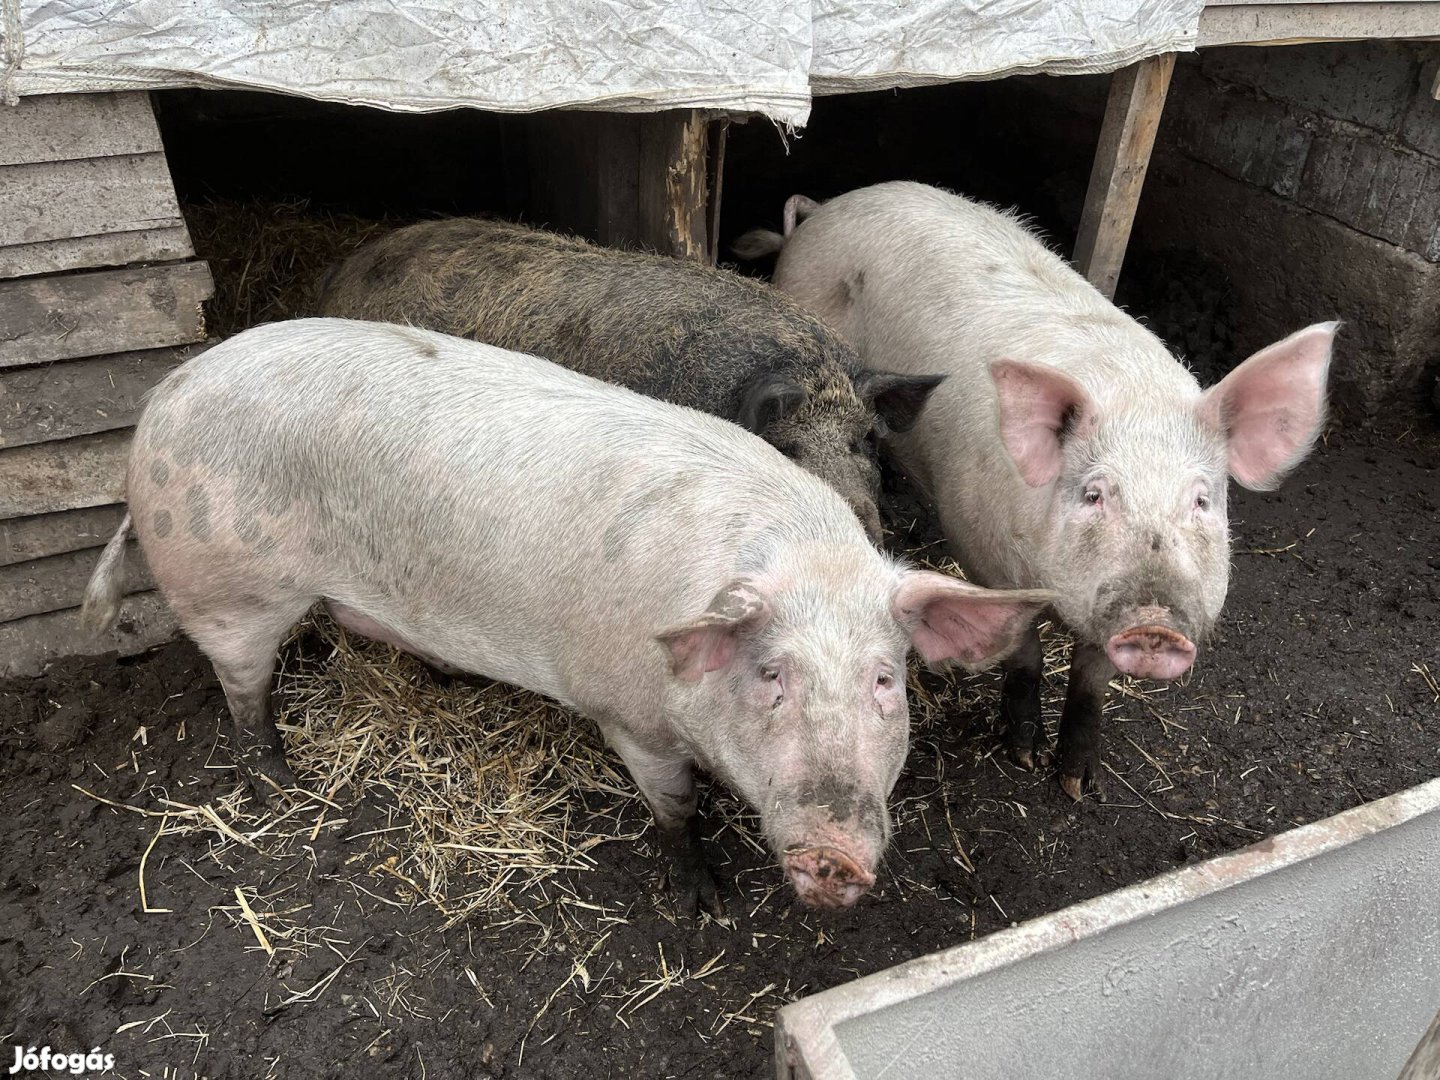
(665, 327)
(492, 509)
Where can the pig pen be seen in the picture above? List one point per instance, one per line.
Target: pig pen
(470, 889)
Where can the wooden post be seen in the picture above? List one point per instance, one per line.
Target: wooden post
(1132, 116)
(674, 184)
(626, 180)
(1424, 1063)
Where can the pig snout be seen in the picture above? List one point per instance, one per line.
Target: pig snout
(826, 877)
(1151, 648)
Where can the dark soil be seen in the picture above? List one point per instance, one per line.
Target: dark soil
(1313, 698)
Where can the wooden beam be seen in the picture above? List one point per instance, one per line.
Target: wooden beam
(70, 315)
(28, 644)
(1127, 135)
(81, 397)
(624, 180)
(65, 127)
(64, 475)
(719, 137)
(1251, 23)
(1424, 1063)
(23, 539)
(674, 184)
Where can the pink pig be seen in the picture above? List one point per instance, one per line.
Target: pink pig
(701, 598)
(1066, 448)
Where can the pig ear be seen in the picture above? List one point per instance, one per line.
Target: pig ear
(949, 619)
(897, 398)
(1039, 408)
(767, 399)
(1271, 407)
(707, 642)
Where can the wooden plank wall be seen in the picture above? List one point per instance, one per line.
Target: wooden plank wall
(100, 297)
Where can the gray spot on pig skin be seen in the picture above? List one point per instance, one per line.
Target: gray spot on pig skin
(267, 546)
(871, 814)
(839, 798)
(197, 502)
(277, 502)
(247, 529)
(163, 523)
(288, 581)
(644, 503)
(316, 546)
(159, 474)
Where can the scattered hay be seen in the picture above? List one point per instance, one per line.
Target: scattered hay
(268, 258)
(484, 784)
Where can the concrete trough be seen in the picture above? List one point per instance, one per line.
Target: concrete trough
(1313, 954)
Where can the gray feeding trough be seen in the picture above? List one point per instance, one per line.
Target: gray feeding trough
(1314, 954)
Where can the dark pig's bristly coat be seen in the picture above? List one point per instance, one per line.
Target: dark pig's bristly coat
(674, 330)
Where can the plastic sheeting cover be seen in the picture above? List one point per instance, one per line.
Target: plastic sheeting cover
(501, 55)
(879, 44)
(527, 55)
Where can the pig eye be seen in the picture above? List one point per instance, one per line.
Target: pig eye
(884, 680)
(770, 674)
(1093, 496)
(1202, 501)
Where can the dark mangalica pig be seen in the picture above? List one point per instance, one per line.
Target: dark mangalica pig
(665, 573)
(671, 329)
(1067, 448)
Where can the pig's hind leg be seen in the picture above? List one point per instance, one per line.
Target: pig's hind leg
(1020, 700)
(667, 782)
(242, 645)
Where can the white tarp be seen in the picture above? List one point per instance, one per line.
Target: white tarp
(880, 44)
(761, 56)
(500, 55)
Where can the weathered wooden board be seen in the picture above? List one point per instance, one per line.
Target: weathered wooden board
(81, 397)
(83, 252)
(1127, 135)
(108, 311)
(622, 179)
(1294, 24)
(57, 200)
(674, 183)
(23, 539)
(58, 581)
(63, 127)
(27, 645)
(64, 475)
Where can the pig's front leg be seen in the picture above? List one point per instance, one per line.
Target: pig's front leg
(1090, 675)
(1020, 700)
(667, 781)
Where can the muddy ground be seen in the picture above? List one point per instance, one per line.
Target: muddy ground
(1317, 694)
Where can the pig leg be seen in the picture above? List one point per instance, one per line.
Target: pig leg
(1090, 675)
(242, 649)
(667, 783)
(1020, 699)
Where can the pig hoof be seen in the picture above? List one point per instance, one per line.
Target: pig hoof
(1024, 756)
(1074, 786)
(694, 889)
(269, 780)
